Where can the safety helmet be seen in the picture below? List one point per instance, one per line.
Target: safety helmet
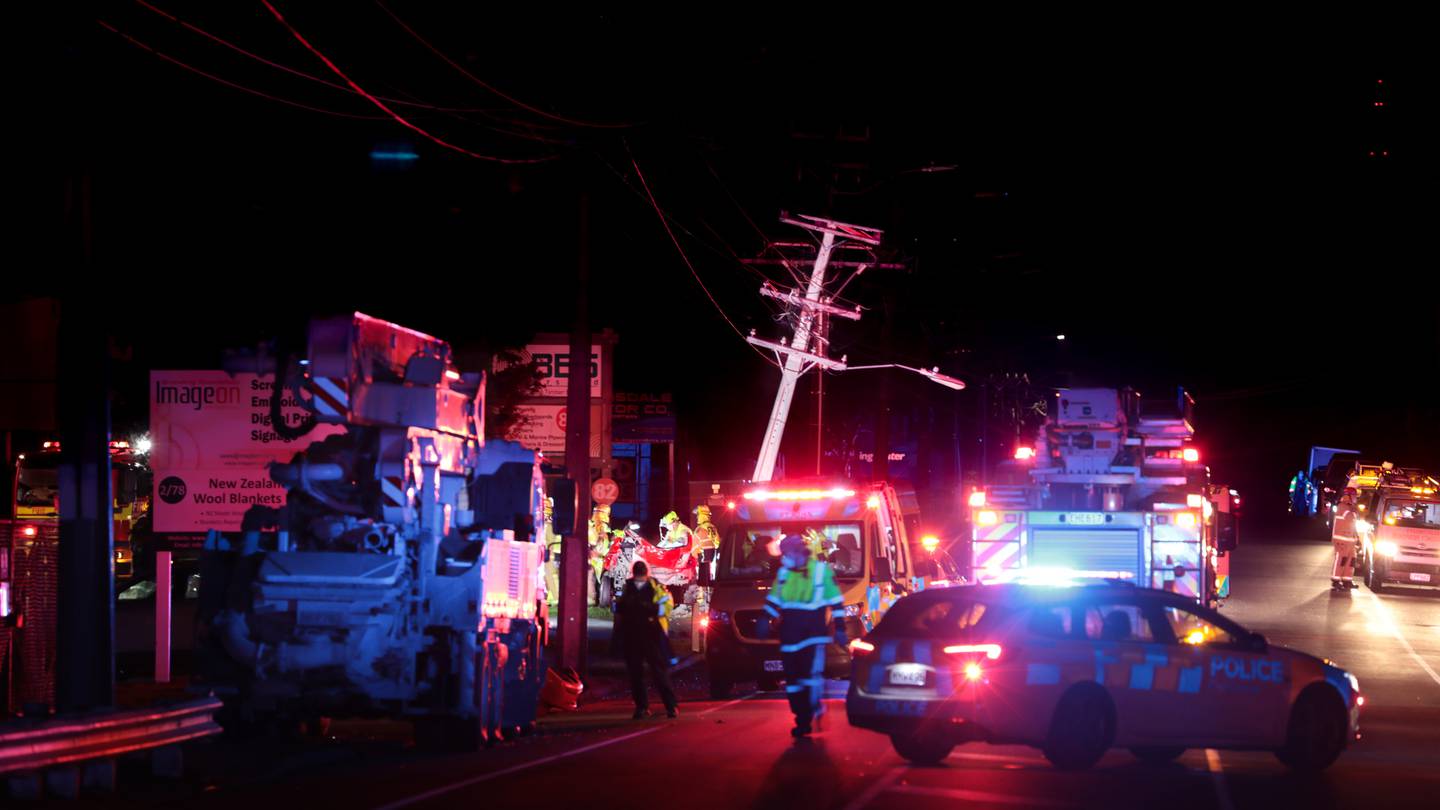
(602, 510)
(702, 513)
(794, 544)
(670, 517)
(1351, 492)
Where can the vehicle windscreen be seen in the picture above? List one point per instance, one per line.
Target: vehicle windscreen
(953, 614)
(1411, 513)
(38, 481)
(751, 551)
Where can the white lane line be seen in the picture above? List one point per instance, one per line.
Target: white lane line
(999, 758)
(1395, 631)
(1217, 776)
(876, 788)
(977, 796)
(486, 777)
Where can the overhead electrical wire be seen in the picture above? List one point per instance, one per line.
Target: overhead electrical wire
(302, 74)
(378, 103)
(486, 85)
(691, 267)
(242, 88)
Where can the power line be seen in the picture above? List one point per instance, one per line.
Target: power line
(302, 74)
(686, 259)
(378, 103)
(497, 91)
(212, 77)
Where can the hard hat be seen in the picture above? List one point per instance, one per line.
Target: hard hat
(1351, 492)
(670, 517)
(794, 543)
(603, 509)
(702, 512)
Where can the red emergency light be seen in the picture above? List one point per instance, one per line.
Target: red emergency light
(991, 651)
(859, 648)
(1024, 453)
(977, 498)
(1190, 454)
(28, 531)
(798, 494)
(730, 505)
(52, 446)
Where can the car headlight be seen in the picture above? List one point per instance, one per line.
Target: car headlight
(1363, 525)
(1387, 548)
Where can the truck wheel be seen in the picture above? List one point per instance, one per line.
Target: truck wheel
(921, 748)
(1374, 579)
(1157, 754)
(1082, 730)
(1317, 730)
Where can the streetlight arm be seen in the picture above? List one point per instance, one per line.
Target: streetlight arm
(932, 374)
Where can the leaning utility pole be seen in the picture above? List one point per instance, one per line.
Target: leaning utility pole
(797, 356)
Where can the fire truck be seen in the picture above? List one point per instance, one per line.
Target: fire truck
(1113, 485)
(35, 497)
(404, 574)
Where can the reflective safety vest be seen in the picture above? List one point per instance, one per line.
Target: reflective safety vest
(800, 598)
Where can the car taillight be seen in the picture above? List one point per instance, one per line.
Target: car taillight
(990, 651)
(859, 648)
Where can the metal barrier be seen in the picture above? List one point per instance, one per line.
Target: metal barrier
(28, 748)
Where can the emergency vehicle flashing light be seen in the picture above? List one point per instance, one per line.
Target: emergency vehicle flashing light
(860, 647)
(28, 531)
(730, 505)
(1054, 577)
(798, 494)
(1191, 454)
(1024, 453)
(1194, 501)
(987, 517)
(977, 498)
(1185, 520)
(991, 651)
(973, 672)
(873, 502)
(930, 542)
(50, 446)
(1387, 548)
(1390, 520)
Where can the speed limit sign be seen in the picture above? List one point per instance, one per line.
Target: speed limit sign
(604, 491)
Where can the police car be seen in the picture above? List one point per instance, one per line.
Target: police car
(1077, 668)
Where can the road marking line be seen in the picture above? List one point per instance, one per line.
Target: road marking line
(876, 788)
(1395, 631)
(1217, 776)
(999, 758)
(977, 796)
(486, 777)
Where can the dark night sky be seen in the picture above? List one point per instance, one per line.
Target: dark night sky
(1203, 214)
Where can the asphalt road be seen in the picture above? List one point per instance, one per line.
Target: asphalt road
(739, 754)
